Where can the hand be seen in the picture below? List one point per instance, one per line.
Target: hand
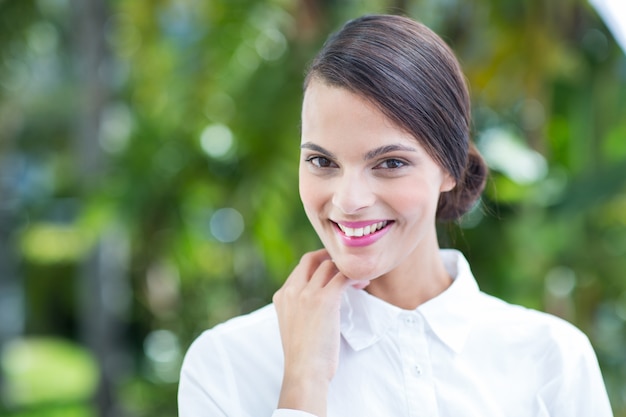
(308, 316)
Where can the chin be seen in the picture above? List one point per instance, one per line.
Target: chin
(358, 271)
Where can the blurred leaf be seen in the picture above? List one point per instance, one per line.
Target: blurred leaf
(593, 189)
(47, 370)
(53, 243)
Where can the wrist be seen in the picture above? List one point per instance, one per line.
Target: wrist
(308, 394)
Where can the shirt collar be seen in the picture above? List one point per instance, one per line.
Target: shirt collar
(365, 319)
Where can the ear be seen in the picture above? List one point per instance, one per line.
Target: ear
(447, 184)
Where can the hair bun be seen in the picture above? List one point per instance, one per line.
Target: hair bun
(459, 200)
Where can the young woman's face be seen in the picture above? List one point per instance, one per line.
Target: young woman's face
(368, 188)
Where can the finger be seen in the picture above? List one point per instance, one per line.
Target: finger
(309, 263)
(315, 258)
(338, 283)
(301, 275)
(359, 284)
(323, 274)
(335, 288)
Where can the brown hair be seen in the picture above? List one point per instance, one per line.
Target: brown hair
(413, 77)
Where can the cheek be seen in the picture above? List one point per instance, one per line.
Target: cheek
(310, 194)
(414, 198)
(304, 187)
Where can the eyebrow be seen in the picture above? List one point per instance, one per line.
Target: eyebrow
(374, 153)
(317, 148)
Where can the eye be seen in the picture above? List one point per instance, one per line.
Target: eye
(390, 164)
(320, 162)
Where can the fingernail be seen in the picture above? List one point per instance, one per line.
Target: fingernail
(359, 285)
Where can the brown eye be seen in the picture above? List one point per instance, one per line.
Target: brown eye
(320, 162)
(390, 164)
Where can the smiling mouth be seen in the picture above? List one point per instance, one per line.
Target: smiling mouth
(362, 231)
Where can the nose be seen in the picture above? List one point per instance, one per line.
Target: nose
(352, 193)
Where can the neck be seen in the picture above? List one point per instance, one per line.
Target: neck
(418, 279)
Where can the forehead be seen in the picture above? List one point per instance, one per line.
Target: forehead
(334, 115)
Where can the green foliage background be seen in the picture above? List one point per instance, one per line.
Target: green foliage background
(138, 138)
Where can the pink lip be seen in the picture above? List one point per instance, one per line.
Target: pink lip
(361, 241)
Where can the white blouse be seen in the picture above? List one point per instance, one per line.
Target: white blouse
(462, 353)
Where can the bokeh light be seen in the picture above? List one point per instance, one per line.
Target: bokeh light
(216, 140)
(227, 225)
(506, 153)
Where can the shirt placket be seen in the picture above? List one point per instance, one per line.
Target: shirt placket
(416, 365)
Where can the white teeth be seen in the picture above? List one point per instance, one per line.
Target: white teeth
(362, 231)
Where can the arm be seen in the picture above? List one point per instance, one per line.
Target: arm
(585, 395)
(193, 401)
(206, 384)
(308, 318)
(308, 315)
(578, 390)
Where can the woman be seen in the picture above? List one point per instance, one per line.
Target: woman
(381, 322)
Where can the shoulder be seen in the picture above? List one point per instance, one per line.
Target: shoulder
(495, 309)
(260, 319)
(550, 336)
(550, 357)
(239, 333)
(246, 344)
(233, 368)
